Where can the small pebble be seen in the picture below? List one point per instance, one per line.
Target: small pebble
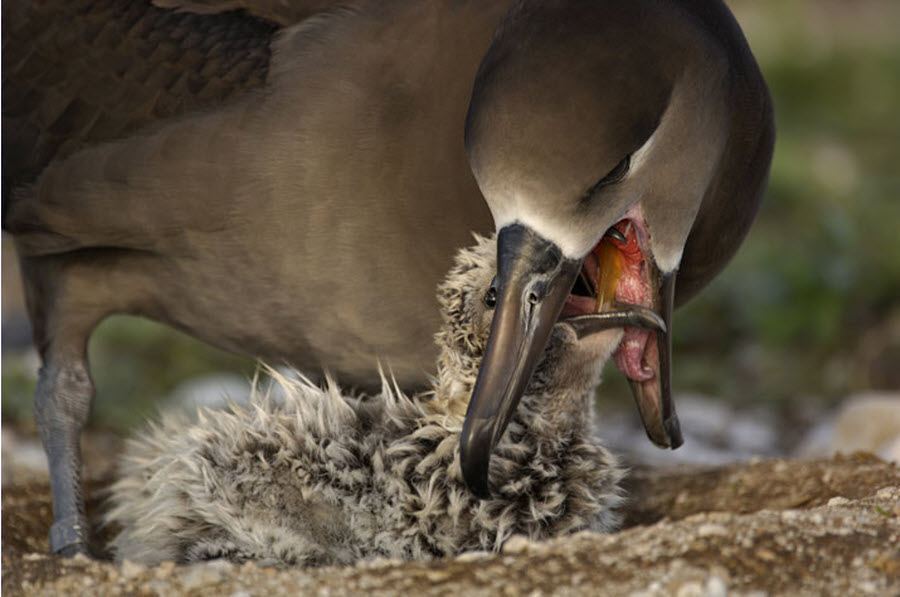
(690, 589)
(716, 587)
(473, 556)
(838, 501)
(132, 569)
(517, 544)
(868, 587)
(164, 570)
(201, 575)
(158, 587)
(887, 493)
(712, 530)
(437, 575)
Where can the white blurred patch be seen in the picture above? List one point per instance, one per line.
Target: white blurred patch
(714, 434)
(211, 391)
(23, 458)
(867, 422)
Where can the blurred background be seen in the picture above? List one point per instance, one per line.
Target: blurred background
(795, 349)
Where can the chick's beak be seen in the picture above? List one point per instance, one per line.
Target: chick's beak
(533, 280)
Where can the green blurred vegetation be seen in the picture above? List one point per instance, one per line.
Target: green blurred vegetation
(810, 307)
(135, 363)
(811, 304)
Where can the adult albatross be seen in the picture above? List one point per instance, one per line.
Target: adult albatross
(310, 187)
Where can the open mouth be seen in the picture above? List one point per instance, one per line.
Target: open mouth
(620, 286)
(616, 277)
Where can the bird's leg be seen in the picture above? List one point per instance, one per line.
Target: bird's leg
(67, 296)
(63, 317)
(62, 403)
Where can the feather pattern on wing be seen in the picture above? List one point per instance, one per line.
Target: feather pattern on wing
(80, 72)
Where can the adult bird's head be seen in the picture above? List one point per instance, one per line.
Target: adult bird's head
(617, 143)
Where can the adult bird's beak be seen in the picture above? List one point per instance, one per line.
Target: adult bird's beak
(533, 280)
(654, 395)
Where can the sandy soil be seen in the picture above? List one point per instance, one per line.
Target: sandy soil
(773, 527)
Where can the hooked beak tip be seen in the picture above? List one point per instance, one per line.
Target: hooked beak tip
(671, 437)
(475, 469)
(673, 432)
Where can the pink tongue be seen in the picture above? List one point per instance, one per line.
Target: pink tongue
(630, 354)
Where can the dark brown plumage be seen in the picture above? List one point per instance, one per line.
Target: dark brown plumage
(81, 72)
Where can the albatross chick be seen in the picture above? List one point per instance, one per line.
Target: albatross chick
(320, 477)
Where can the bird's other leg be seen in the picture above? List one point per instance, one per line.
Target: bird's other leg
(67, 296)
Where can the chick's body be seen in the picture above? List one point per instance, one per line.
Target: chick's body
(318, 477)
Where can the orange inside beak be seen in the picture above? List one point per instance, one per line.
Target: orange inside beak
(609, 270)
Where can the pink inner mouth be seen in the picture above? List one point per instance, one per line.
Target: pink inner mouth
(631, 356)
(634, 288)
(637, 355)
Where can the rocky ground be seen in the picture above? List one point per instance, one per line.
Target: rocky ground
(775, 527)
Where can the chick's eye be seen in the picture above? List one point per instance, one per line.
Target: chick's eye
(615, 175)
(490, 297)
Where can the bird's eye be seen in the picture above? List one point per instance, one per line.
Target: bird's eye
(615, 175)
(490, 297)
(619, 172)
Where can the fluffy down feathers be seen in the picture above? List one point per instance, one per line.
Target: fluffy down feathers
(319, 477)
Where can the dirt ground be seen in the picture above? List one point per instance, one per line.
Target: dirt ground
(773, 527)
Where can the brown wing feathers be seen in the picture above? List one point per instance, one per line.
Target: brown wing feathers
(77, 72)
